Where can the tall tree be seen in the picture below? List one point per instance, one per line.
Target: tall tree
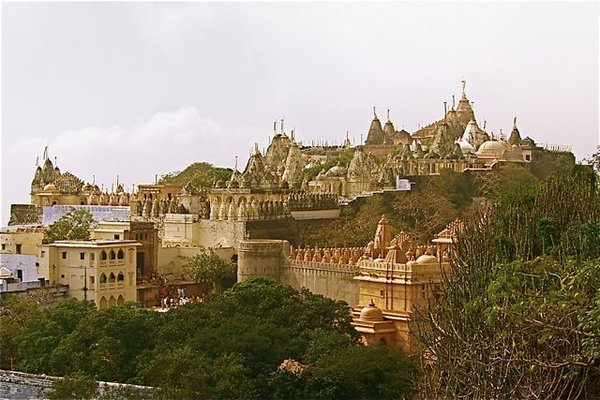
(208, 269)
(74, 225)
(518, 313)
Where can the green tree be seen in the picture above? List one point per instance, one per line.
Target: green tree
(200, 175)
(74, 386)
(107, 343)
(15, 313)
(517, 316)
(74, 225)
(594, 159)
(44, 333)
(504, 180)
(355, 372)
(209, 269)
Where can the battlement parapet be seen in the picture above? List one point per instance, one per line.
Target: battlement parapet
(322, 267)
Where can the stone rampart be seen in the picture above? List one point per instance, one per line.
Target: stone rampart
(25, 214)
(18, 385)
(270, 258)
(330, 280)
(261, 257)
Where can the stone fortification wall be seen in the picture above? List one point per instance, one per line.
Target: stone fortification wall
(51, 295)
(25, 214)
(270, 258)
(214, 233)
(18, 385)
(331, 280)
(100, 213)
(261, 257)
(270, 229)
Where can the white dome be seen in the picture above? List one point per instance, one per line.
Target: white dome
(427, 259)
(492, 148)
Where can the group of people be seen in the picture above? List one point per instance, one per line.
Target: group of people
(180, 299)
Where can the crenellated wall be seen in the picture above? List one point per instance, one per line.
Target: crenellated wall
(272, 259)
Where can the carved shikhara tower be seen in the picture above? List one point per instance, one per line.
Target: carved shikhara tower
(397, 280)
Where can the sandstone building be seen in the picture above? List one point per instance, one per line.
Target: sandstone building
(100, 271)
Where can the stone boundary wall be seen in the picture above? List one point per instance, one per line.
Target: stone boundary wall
(330, 280)
(19, 385)
(53, 294)
(25, 214)
(270, 258)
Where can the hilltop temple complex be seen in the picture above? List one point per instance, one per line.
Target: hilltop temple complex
(248, 216)
(292, 180)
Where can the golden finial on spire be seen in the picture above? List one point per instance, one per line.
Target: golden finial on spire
(515, 123)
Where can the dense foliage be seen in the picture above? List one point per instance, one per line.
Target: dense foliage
(74, 225)
(208, 269)
(519, 315)
(229, 346)
(201, 175)
(433, 202)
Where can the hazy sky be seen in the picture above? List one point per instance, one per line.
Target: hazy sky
(139, 89)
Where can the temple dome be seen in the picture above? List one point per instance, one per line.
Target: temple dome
(371, 313)
(50, 188)
(427, 259)
(336, 171)
(492, 148)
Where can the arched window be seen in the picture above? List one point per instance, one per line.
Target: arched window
(111, 278)
(103, 278)
(120, 277)
(112, 301)
(103, 255)
(112, 255)
(120, 254)
(120, 300)
(103, 302)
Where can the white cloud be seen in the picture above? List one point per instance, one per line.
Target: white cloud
(165, 141)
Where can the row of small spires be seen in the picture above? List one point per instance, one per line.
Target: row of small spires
(352, 255)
